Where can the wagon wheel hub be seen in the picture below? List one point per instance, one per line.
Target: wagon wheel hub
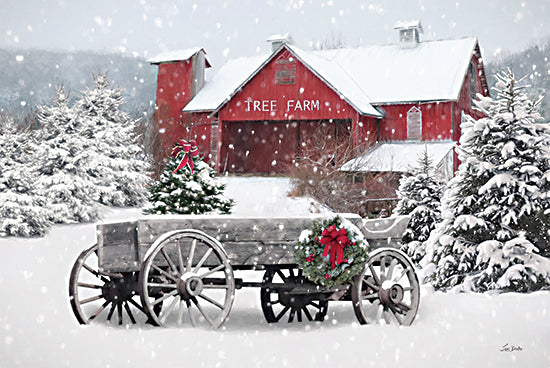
(119, 290)
(390, 293)
(189, 286)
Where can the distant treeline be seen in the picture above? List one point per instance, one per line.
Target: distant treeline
(29, 77)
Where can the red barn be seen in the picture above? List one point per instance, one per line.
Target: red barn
(257, 113)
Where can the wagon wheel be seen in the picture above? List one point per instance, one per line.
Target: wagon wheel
(188, 273)
(96, 296)
(387, 289)
(277, 302)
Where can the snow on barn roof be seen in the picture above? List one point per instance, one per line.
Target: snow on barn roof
(364, 76)
(398, 156)
(177, 55)
(225, 83)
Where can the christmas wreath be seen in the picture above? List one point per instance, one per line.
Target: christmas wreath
(331, 252)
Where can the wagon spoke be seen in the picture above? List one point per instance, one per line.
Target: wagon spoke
(299, 313)
(191, 255)
(214, 286)
(96, 273)
(401, 274)
(210, 300)
(88, 300)
(404, 307)
(370, 296)
(215, 269)
(111, 311)
(306, 312)
(180, 257)
(395, 313)
(191, 318)
(119, 310)
(291, 316)
(203, 259)
(164, 273)
(370, 285)
(393, 263)
(283, 277)
(374, 275)
(89, 286)
(315, 304)
(133, 302)
(164, 297)
(196, 302)
(180, 312)
(285, 309)
(170, 262)
(129, 312)
(99, 310)
(168, 286)
(383, 269)
(168, 310)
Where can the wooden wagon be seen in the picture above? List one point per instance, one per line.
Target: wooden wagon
(179, 270)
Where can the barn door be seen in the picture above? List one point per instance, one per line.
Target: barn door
(258, 147)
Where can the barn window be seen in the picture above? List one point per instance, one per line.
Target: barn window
(414, 123)
(472, 82)
(285, 71)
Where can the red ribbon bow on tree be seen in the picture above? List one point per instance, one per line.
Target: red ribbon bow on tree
(189, 150)
(334, 241)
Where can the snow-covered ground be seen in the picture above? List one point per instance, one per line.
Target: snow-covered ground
(38, 329)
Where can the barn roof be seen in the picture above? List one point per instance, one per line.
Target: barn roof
(398, 156)
(364, 76)
(177, 55)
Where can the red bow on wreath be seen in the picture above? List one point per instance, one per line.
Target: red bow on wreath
(189, 150)
(334, 241)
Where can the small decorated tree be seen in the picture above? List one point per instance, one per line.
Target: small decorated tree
(187, 186)
(331, 252)
(420, 197)
(495, 224)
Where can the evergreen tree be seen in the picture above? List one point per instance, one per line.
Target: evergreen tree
(114, 160)
(186, 193)
(22, 211)
(60, 159)
(420, 197)
(495, 211)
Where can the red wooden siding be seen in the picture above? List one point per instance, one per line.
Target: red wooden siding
(174, 86)
(436, 121)
(263, 98)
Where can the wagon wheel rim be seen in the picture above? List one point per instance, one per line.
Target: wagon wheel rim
(98, 297)
(277, 307)
(189, 274)
(387, 291)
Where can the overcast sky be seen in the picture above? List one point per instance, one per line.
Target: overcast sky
(234, 28)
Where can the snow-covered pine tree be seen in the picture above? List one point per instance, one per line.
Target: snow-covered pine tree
(186, 193)
(22, 211)
(420, 197)
(60, 160)
(495, 211)
(115, 161)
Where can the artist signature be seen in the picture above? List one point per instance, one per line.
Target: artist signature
(507, 348)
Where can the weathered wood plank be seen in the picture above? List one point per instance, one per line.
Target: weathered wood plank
(118, 251)
(247, 241)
